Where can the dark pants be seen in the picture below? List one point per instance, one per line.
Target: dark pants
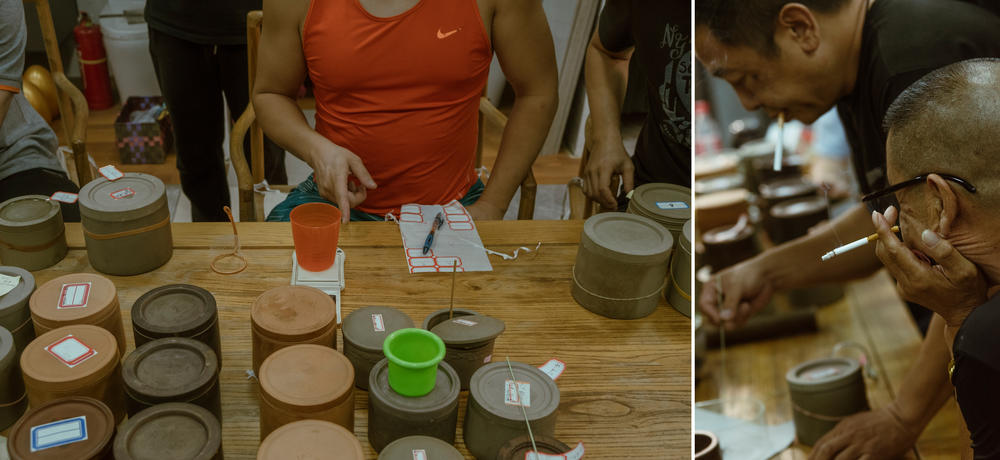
(193, 77)
(40, 181)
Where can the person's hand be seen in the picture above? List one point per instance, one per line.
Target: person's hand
(606, 160)
(952, 287)
(484, 210)
(745, 291)
(342, 178)
(880, 433)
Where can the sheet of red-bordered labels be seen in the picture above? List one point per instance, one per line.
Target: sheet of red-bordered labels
(456, 243)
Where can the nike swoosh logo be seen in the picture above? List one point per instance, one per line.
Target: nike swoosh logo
(446, 35)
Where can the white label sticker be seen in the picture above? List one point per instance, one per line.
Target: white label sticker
(64, 197)
(553, 368)
(531, 455)
(74, 295)
(8, 283)
(377, 323)
(419, 454)
(126, 192)
(111, 173)
(464, 322)
(517, 393)
(672, 205)
(70, 351)
(576, 453)
(59, 433)
(487, 359)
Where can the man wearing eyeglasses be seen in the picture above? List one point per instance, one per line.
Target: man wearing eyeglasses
(942, 159)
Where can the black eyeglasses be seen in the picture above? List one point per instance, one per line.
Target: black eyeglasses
(876, 196)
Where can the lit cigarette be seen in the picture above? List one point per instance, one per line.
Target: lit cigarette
(779, 148)
(856, 244)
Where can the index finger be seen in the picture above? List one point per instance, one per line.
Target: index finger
(896, 257)
(340, 186)
(707, 302)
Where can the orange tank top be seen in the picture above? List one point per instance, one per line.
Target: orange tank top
(402, 93)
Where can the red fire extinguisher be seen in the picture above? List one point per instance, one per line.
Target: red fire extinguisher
(93, 64)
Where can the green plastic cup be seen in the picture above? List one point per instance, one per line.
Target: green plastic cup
(413, 356)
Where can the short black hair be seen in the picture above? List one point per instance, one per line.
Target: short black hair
(933, 91)
(750, 22)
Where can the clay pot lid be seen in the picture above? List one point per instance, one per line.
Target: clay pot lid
(443, 397)
(91, 295)
(20, 292)
(687, 236)
(173, 368)
(728, 234)
(180, 309)
(662, 201)
(799, 207)
(723, 199)
(619, 234)
(488, 385)
(311, 439)
(406, 449)
(92, 351)
(442, 315)
(134, 196)
(518, 448)
(170, 430)
(25, 213)
(368, 327)
(467, 330)
(719, 163)
(99, 426)
(718, 183)
(8, 351)
(309, 377)
(823, 374)
(293, 312)
(783, 188)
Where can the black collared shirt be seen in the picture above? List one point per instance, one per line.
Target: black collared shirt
(976, 377)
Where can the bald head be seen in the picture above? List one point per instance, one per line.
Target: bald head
(949, 122)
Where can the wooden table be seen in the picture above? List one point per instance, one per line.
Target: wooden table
(626, 391)
(871, 314)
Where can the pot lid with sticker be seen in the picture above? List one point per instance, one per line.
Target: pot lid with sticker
(438, 403)
(72, 297)
(65, 428)
(170, 369)
(669, 202)
(310, 439)
(468, 330)
(489, 387)
(180, 309)
(618, 234)
(306, 377)
(20, 293)
(410, 447)
(27, 213)
(368, 327)
(799, 207)
(133, 196)
(823, 374)
(170, 430)
(69, 357)
(519, 447)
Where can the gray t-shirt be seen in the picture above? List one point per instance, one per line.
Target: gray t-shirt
(26, 141)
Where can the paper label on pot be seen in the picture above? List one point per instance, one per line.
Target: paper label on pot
(553, 368)
(8, 283)
(59, 433)
(576, 453)
(64, 197)
(532, 455)
(74, 295)
(70, 351)
(419, 454)
(672, 205)
(377, 322)
(111, 173)
(126, 192)
(517, 393)
(487, 359)
(464, 322)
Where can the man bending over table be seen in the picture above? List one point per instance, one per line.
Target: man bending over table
(397, 86)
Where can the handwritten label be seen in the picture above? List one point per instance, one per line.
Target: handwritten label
(517, 393)
(64, 197)
(464, 322)
(126, 192)
(377, 322)
(419, 454)
(59, 433)
(70, 351)
(111, 173)
(672, 205)
(553, 368)
(75, 295)
(8, 283)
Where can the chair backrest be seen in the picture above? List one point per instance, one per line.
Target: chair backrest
(254, 20)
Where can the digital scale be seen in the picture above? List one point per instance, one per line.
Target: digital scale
(330, 281)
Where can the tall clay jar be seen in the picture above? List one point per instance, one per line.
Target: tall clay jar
(823, 392)
(126, 224)
(306, 382)
(170, 431)
(71, 428)
(311, 439)
(172, 369)
(79, 298)
(291, 315)
(32, 234)
(15, 316)
(77, 360)
(177, 310)
(365, 329)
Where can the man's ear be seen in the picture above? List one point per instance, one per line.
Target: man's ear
(944, 197)
(797, 23)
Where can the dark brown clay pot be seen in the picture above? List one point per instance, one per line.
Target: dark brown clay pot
(364, 331)
(392, 416)
(170, 430)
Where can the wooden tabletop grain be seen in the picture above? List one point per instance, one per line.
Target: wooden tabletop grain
(870, 314)
(626, 391)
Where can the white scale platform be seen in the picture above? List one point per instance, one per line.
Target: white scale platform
(331, 281)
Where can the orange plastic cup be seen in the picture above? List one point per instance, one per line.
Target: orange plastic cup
(315, 231)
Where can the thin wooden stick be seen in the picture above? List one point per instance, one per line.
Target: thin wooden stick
(451, 304)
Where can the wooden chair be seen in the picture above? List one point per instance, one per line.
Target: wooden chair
(580, 205)
(73, 111)
(252, 202)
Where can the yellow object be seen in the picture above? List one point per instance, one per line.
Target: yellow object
(42, 79)
(36, 99)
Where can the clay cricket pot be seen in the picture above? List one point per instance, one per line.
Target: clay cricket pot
(79, 428)
(291, 315)
(15, 315)
(420, 447)
(311, 439)
(519, 447)
(172, 369)
(392, 416)
(32, 234)
(177, 310)
(824, 392)
(365, 329)
(468, 340)
(78, 298)
(170, 430)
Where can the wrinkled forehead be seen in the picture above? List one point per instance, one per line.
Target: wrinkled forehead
(720, 59)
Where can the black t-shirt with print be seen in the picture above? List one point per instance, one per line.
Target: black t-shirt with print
(976, 351)
(660, 30)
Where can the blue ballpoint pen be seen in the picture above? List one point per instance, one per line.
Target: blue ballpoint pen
(438, 221)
